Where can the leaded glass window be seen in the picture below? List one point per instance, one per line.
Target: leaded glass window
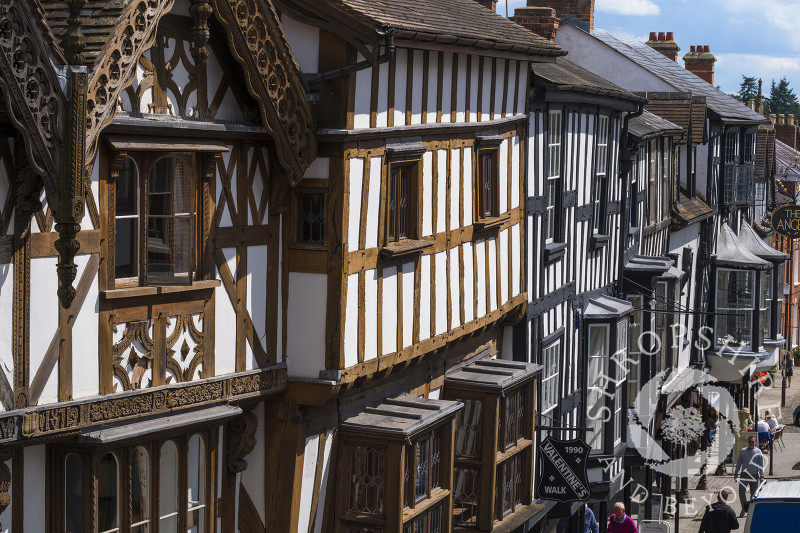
(311, 218)
(552, 184)
(468, 429)
(366, 480)
(400, 219)
(465, 499)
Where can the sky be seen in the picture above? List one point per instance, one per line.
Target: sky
(755, 38)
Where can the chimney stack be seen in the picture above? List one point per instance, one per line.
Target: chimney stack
(664, 43)
(787, 131)
(700, 61)
(488, 4)
(581, 11)
(540, 20)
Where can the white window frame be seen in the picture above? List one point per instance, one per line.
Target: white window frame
(596, 387)
(551, 360)
(553, 175)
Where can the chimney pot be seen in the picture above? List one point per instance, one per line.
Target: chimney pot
(706, 49)
(653, 36)
(790, 119)
(670, 36)
(691, 49)
(772, 117)
(781, 119)
(661, 36)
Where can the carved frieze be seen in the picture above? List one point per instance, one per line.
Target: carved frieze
(273, 78)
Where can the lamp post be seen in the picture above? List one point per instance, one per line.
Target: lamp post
(787, 292)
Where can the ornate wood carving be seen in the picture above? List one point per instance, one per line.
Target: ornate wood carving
(273, 78)
(241, 441)
(201, 11)
(116, 70)
(74, 41)
(31, 88)
(44, 421)
(5, 484)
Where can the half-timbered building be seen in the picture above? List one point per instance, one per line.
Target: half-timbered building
(146, 164)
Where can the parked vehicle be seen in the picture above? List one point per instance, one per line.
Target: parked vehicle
(775, 505)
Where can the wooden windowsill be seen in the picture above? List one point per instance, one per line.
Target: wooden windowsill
(404, 247)
(490, 223)
(553, 251)
(132, 292)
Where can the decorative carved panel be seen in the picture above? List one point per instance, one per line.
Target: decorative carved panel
(273, 78)
(31, 88)
(117, 68)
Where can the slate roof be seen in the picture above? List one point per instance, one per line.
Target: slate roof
(671, 72)
(787, 162)
(449, 20)
(680, 108)
(691, 211)
(649, 125)
(565, 75)
(99, 19)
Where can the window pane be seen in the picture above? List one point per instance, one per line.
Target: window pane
(436, 460)
(196, 485)
(168, 488)
(468, 429)
(465, 496)
(140, 488)
(404, 206)
(366, 480)
(73, 494)
(519, 492)
(127, 246)
(422, 448)
(311, 218)
(511, 419)
(169, 235)
(392, 217)
(508, 479)
(107, 494)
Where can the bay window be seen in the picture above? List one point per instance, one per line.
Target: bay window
(735, 299)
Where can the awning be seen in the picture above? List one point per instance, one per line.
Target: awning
(754, 244)
(162, 424)
(732, 253)
(402, 417)
(648, 264)
(606, 307)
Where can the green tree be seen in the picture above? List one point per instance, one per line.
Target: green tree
(782, 98)
(748, 90)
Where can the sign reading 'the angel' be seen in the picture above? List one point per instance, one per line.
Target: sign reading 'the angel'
(563, 470)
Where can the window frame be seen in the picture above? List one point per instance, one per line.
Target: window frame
(746, 313)
(553, 183)
(600, 174)
(411, 167)
(90, 457)
(308, 189)
(598, 389)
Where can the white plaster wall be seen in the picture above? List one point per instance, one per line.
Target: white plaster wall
(507, 352)
(409, 315)
(323, 491)
(34, 489)
(512, 84)
(455, 182)
(497, 105)
(480, 252)
(354, 195)
(493, 274)
(382, 110)
(257, 295)
(44, 307)
(253, 476)
(502, 180)
(522, 93)
(401, 73)
(370, 314)
(85, 352)
(702, 169)
(515, 170)
(373, 201)
(461, 90)
(319, 169)
(363, 97)
(469, 283)
(304, 41)
(433, 85)
(595, 56)
(225, 220)
(467, 186)
(416, 86)
(427, 194)
(486, 94)
(455, 290)
(229, 108)
(441, 196)
(310, 456)
(86, 222)
(6, 323)
(350, 323)
(440, 284)
(448, 98)
(225, 322)
(474, 81)
(504, 266)
(305, 349)
(425, 297)
(389, 311)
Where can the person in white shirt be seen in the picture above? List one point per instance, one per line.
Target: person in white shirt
(771, 422)
(762, 426)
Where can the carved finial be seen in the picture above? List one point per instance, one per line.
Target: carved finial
(74, 41)
(241, 441)
(201, 11)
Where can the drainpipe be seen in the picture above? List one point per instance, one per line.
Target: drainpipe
(625, 163)
(388, 37)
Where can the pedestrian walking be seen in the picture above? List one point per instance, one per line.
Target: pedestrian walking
(619, 522)
(590, 524)
(719, 517)
(751, 463)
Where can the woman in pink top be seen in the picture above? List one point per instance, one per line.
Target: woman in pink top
(619, 522)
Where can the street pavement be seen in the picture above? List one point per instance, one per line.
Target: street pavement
(786, 463)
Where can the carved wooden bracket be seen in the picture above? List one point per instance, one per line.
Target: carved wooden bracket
(241, 441)
(273, 79)
(135, 34)
(5, 485)
(31, 87)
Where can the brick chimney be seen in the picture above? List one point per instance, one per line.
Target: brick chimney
(581, 10)
(488, 4)
(664, 43)
(700, 61)
(787, 130)
(540, 20)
